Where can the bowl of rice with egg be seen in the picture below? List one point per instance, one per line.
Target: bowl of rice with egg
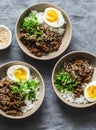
(22, 90)
(43, 31)
(74, 79)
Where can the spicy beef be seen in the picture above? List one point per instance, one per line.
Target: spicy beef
(48, 42)
(10, 103)
(81, 69)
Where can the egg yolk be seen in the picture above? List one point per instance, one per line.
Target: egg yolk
(91, 92)
(20, 74)
(51, 16)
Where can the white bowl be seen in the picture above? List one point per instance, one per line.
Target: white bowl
(10, 37)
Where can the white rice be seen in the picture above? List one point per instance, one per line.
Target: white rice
(29, 103)
(40, 18)
(69, 96)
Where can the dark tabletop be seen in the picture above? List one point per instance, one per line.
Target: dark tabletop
(53, 114)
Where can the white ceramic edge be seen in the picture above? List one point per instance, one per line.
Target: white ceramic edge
(52, 80)
(18, 118)
(8, 44)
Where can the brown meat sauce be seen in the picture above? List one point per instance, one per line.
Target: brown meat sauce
(10, 103)
(80, 68)
(49, 41)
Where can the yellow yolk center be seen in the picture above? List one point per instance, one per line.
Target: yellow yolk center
(20, 74)
(92, 92)
(51, 16)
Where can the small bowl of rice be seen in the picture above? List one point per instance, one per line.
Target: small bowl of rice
(5, 37)
(43, 31)
(71, 76)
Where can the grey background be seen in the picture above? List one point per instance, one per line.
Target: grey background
(53, 114)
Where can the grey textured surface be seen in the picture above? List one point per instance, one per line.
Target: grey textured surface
(53, 114)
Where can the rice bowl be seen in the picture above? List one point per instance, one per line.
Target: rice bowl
(40, 38)
(67, 30)
(31, 106)
(70, 97)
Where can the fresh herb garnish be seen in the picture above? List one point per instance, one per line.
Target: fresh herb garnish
(64, 81)
(26, 88)
(30, 25)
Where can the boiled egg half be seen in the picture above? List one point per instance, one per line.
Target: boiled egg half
(53, 17)
(18, 72)
(90, 92)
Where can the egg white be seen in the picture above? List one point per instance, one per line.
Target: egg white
(10, 72)
(85, 91)
(60, 22)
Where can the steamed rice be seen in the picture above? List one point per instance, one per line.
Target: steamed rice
(29, 103)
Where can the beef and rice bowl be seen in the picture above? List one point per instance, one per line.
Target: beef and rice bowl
(19, 90)
(76, 81)
(42, 32)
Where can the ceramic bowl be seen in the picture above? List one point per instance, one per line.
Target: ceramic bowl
(76, 54)
(33, 72)
(66, 37)
(3, 35)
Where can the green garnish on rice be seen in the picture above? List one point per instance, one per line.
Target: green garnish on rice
(30, 25)
(26, 88)
(64, 81)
